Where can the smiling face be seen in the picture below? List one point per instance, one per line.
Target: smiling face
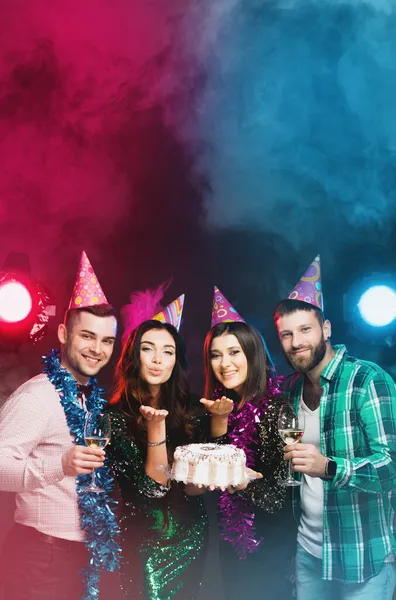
(303, 339)
(229, 362)
(87, 344)
(157, 357)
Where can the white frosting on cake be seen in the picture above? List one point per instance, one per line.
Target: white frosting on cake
(220, 465)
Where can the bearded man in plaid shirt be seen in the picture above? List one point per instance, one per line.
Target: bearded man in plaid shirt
(346, 464)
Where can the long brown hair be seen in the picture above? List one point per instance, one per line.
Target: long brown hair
(253, 347)
(131, 391)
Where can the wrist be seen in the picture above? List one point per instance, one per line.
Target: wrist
(220, 418)
(156, 429)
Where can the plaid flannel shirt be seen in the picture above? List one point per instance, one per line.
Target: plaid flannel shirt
(358, 431)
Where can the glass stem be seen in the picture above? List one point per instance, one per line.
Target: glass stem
(290, 472)
(93, 478)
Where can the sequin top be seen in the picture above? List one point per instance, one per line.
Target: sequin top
(263, 510)
(266, 493)
(164, 531)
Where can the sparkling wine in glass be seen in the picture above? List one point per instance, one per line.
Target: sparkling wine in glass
(97, 435)
(291, 430)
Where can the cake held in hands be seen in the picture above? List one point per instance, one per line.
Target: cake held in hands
(219, 465)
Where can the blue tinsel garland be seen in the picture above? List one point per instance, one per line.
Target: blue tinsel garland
(97, 518)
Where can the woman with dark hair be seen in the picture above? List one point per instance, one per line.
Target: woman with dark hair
(256, 525)
(164, 524)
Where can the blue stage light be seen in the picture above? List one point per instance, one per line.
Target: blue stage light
(377, 305)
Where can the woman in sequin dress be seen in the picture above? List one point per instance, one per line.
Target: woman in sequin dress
(164, 525)
(236, 366)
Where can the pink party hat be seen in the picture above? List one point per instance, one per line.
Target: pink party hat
(87, 290)
(222, 311)
(309, 288)
(172, 313)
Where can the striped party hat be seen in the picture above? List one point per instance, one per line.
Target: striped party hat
(172, 313)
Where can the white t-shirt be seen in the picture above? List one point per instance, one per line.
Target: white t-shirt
(310, 529)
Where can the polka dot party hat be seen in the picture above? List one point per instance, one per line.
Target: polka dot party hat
(87, 290)
(222, 311)
(309, 288)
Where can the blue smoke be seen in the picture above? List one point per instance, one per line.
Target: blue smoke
(298, 115)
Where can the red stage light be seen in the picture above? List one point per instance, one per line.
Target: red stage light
(15, 302)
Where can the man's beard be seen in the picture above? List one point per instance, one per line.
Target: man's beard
(304, 364)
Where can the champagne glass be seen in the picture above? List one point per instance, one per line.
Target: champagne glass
(291, 430)
(97, 435)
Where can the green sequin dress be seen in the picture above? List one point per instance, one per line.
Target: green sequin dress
(164, 532)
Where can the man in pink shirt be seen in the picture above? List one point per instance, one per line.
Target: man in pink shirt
(43, 460)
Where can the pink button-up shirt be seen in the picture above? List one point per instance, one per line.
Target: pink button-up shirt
(33, 437)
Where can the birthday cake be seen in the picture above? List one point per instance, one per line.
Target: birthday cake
(219, 465)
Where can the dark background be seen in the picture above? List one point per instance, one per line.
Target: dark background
(212, 142)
